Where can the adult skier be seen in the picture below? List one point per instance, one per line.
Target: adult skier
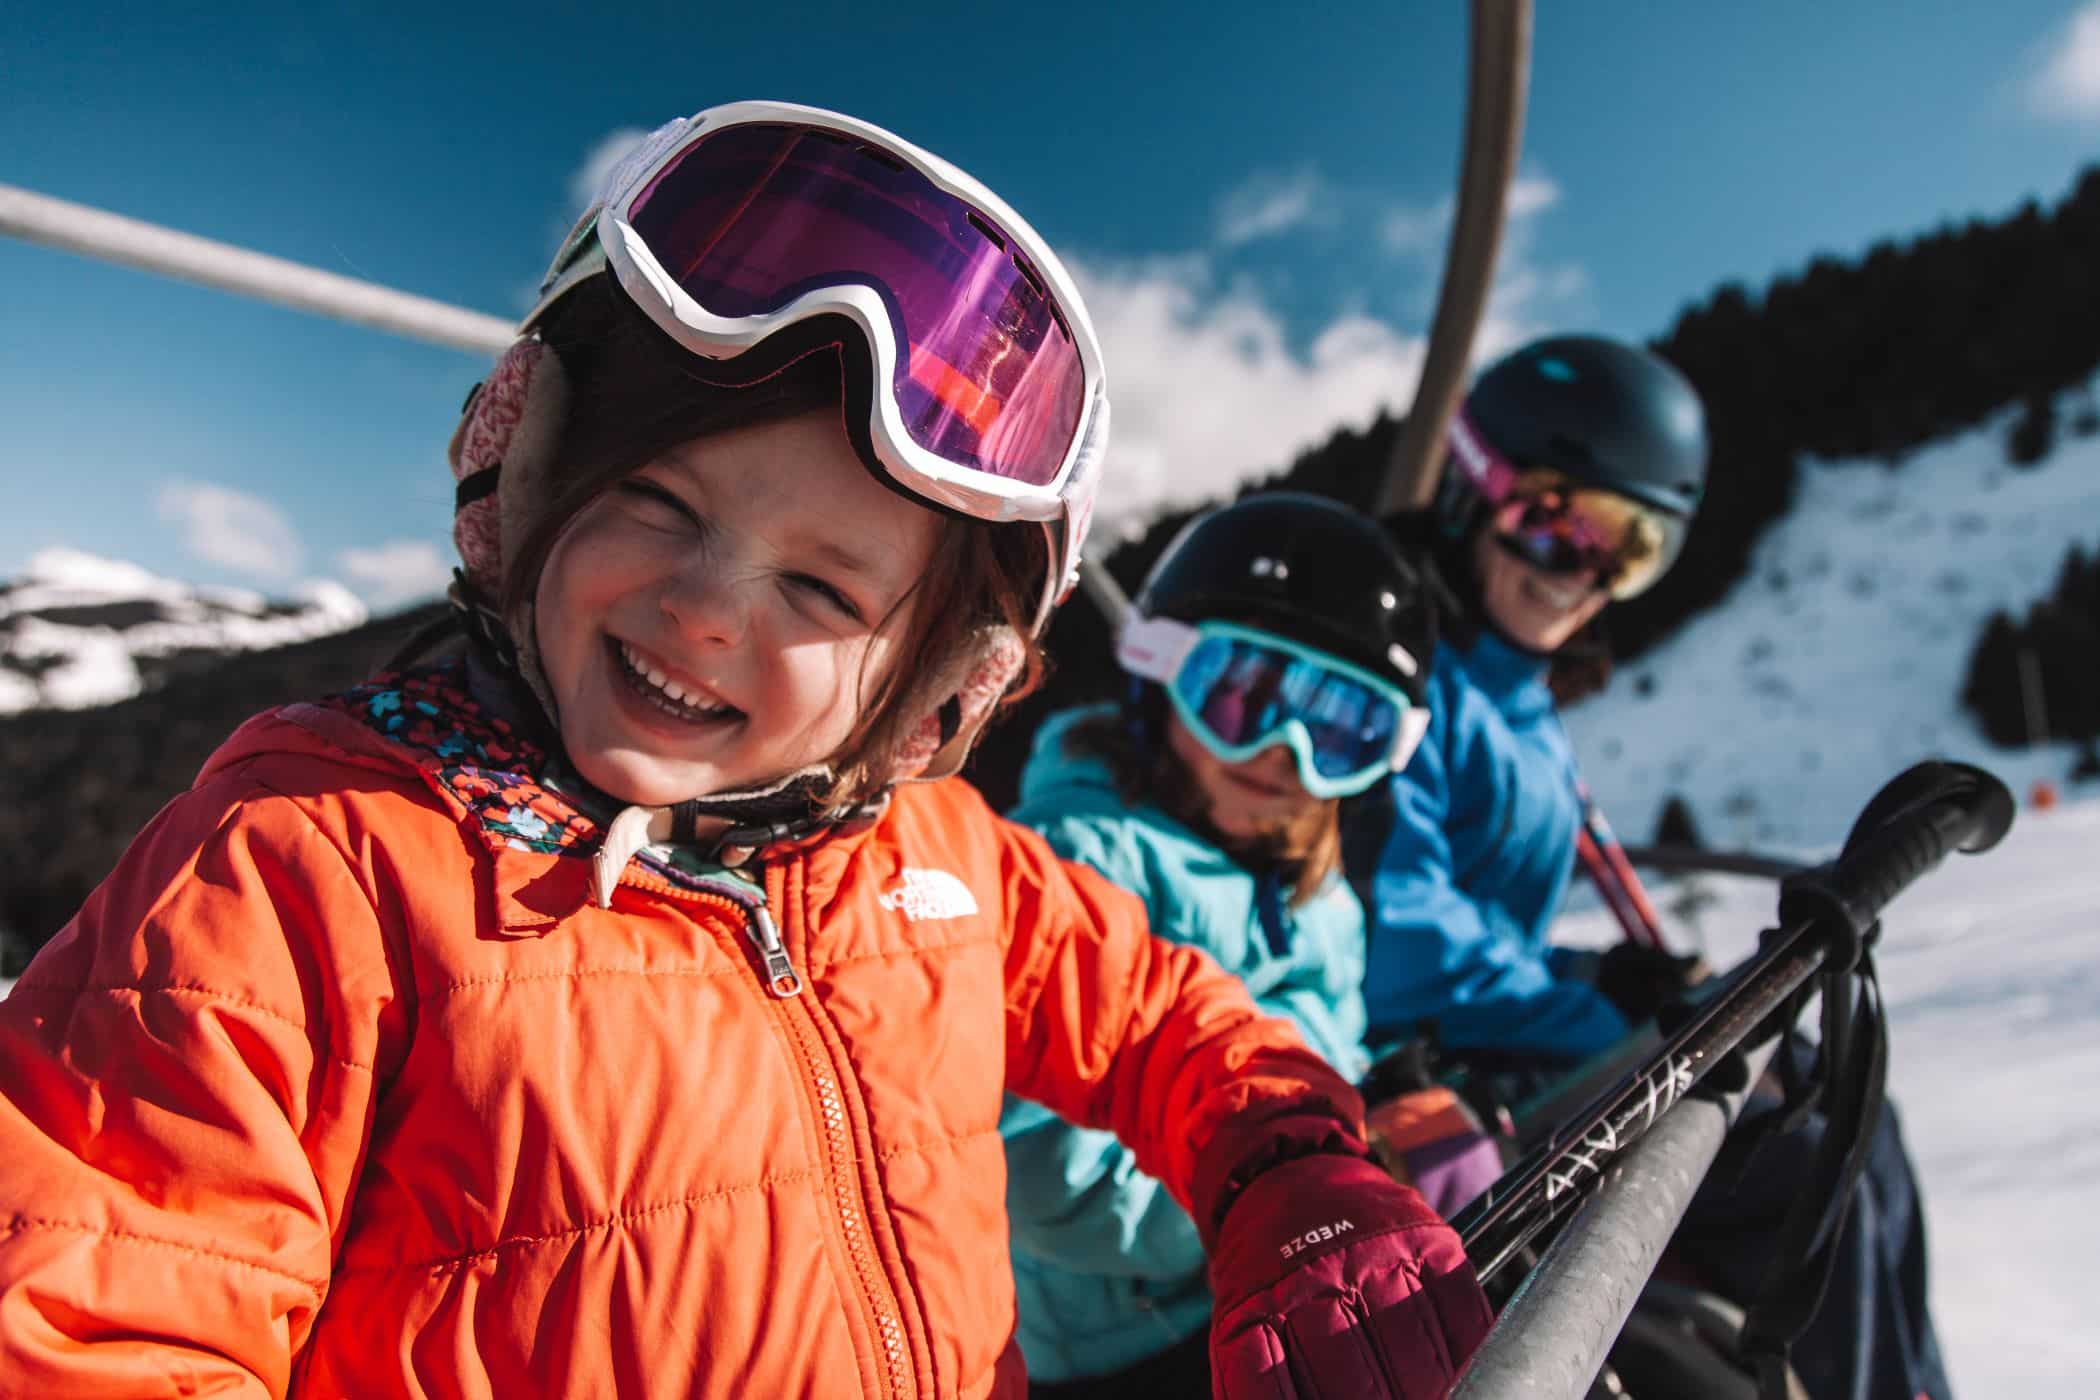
(1576, 466)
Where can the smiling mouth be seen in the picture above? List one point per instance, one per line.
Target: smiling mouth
(1564, 598)
(653, 687)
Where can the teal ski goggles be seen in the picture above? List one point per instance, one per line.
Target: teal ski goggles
(1240, 691)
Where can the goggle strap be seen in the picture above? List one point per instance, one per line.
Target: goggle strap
(1414, 727)
(1490, 474)
(1155, 647)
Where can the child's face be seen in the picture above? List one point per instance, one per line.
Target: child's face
(1248, 798)
(710, 623)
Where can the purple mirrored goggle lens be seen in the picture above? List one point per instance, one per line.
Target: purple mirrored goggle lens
(748, 218)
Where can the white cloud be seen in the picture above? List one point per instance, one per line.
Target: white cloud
(398, 571)
(232, 529)
(611, 148)
(1208, 390)
(1417, 230)
(1411, 229)
(1530, 295)
(1269, 204)
(2066, 81)
(1532, 194)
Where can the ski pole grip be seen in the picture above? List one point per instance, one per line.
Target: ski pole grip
(1908, 828)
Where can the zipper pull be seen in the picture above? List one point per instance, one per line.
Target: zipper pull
(781, 978)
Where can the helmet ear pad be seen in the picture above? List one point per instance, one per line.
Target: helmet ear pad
(502, 457)
(938, 743)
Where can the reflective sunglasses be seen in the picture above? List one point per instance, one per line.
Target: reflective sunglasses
(1561, 526)
(1240, 690)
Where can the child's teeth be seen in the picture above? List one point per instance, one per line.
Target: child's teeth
(671, 690)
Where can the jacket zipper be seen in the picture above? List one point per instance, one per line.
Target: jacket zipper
(780, 978)
(784, 982)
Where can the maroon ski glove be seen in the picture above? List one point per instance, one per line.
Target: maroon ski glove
(1333, 1280)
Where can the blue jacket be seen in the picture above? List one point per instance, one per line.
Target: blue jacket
(1461, 861)
(1107, 1268)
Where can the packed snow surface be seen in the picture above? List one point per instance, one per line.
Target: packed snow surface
(1991, 967)
(75, 628)
(1839, 660)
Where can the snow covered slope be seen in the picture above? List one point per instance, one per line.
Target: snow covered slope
(78, 631)
(1839, 660)
(1991, 966)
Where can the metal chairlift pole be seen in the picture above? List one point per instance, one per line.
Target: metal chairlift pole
(96, 233)
(1498, 74)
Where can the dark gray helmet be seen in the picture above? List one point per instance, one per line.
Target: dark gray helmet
(1599, 411)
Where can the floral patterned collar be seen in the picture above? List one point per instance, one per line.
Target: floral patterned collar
(474, 758)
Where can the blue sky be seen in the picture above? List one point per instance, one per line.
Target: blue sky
(1253, 198)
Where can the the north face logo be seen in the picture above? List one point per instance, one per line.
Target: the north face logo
(929, 894)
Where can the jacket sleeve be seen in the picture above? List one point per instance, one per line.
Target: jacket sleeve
(186, 1094)
(1110, 1027)
(1075, 1196)
(1434, 953)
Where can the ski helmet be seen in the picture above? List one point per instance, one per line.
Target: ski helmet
(1284, 620)
(1306, 568)
(1602, 413)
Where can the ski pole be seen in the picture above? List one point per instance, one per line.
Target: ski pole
(1555, 1333)
(1907, 829)
(1604, 860)
(1692, 860)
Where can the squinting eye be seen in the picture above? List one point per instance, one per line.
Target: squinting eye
(646, 491)
(829, 594)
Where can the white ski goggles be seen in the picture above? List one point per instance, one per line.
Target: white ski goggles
(1240, 690)
(988, 396)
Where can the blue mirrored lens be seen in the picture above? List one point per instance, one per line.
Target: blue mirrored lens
(1245, 693)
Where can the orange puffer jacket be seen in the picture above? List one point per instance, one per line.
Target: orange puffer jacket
(340, 1085)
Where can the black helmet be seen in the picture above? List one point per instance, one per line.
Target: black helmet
(1600, 412)
(1306, 568)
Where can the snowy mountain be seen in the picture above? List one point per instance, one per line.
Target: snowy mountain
(78, 631)
(1838, 661)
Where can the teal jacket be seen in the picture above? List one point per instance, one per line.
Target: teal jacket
(1107, 1267)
